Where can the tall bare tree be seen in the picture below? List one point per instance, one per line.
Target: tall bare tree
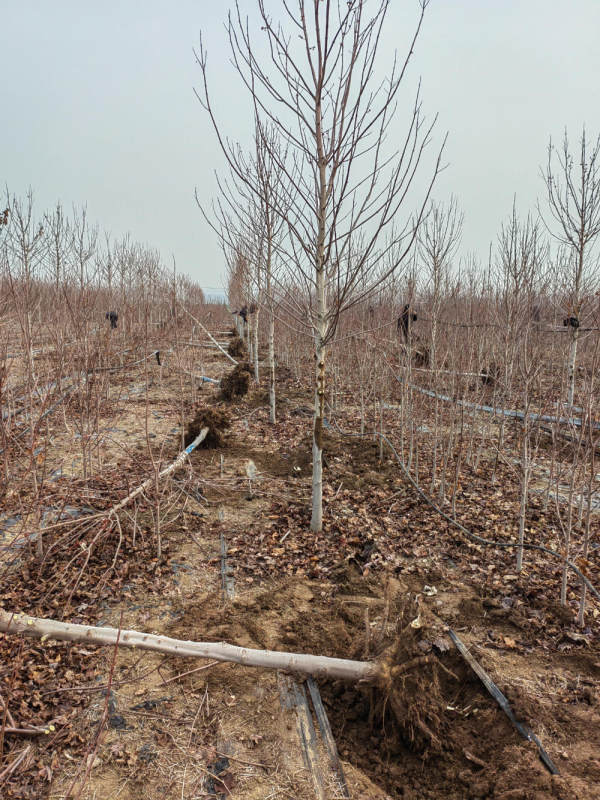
(319, 89)
(439, 239)
(574, 220)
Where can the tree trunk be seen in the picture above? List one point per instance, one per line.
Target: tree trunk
(586, 548)
(571, 368)
(567, 537)
(316, 522)
(524, 491)
(272, 413)
(255, 348)
(219, 651)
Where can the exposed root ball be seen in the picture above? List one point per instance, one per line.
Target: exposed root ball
(411, 686)
(215, 420)
(236, 383)
(410, 690)
(237, 348)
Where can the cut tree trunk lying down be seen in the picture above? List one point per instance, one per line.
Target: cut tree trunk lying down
(379, 673)
(319, 666)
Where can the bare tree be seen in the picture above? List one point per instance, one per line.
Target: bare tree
(272, 191)
(438, 240)
(84, 241)
(318, 88)
(254, 226)
(58, 234)
(574, 208)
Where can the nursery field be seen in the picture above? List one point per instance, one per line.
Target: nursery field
(336, 537)
(425, 495)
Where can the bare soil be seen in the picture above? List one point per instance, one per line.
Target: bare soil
(383, 581)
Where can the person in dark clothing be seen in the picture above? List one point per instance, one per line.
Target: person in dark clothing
(243, 313)
(113, 317)
(405, 319)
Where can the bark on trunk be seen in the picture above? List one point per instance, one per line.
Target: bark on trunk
(316, 522)
(272, 412)
(255, 348)
(523, 509)
(219, 651)
(572, 364)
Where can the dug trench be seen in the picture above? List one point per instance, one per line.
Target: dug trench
(429, 731)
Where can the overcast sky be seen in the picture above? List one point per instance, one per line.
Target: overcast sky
(97, 107)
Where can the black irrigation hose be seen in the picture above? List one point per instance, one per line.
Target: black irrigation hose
(496, 410)
(125, 366)
(468, 533)
(74, 386)
(497, 325)
(522, 729)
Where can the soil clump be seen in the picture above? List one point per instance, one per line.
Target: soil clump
(215, 419)
(237, 348)
(236, 383)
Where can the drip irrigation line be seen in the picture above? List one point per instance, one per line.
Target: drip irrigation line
(36, 392)
(125, 366)
(479, 539)
(497, 325)
(460, 324)
(72, 389)
(203, 378)
(578, 422)
(522, 729)
(497, 411)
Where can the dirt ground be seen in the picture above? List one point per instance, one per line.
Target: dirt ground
(383, 582)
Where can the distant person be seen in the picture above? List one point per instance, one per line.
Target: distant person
(571, 322)
(113, 317)
(405, 320)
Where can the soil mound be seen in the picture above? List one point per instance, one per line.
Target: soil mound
(237, 382)
(215, 419)
(236, 348)
(427, 728)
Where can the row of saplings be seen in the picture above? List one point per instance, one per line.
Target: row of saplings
(235, 384)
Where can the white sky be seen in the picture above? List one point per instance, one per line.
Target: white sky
(97, 107)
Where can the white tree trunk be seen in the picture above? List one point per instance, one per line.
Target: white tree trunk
(316, 522)
(272, 413)
(524, 490)
(219, 651)
(255, 348)
(571, 367)
(586, 548)
(162, 474)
